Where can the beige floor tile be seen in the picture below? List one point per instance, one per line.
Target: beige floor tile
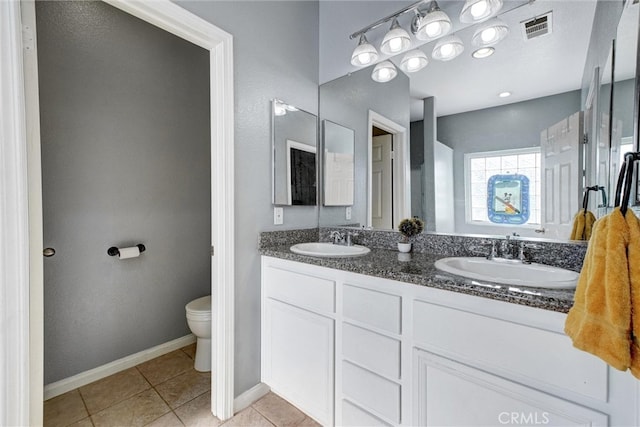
(279, 411)
(167, 366)
(248, 418)
(82, 423)
(113, 389)
(138, 410)
(197, 413)
(190, 350)
(64, 409)
(308, 422)
(185, 387)
(167, 420)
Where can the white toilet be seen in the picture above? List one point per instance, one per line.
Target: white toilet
(199, 320)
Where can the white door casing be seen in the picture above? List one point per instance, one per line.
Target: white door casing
(382, 182)
(401, 167)
(22, 139)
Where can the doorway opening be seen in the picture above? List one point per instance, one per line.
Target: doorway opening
(389, 198)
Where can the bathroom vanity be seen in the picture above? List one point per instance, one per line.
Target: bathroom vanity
(349, 346)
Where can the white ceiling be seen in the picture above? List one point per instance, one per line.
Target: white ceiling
(547, 65)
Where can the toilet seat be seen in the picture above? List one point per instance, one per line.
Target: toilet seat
(199, 308)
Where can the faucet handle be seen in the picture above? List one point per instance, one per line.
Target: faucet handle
(524, 245)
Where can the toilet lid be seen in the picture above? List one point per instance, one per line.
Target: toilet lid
(200, 305)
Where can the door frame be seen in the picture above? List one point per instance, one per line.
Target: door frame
(20, 181)
(401, 167)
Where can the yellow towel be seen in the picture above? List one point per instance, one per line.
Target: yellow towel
(633, 255)
(582, 225)
(600, 320)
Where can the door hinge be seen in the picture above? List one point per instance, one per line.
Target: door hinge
(393, 155)
(585, 138)
(212, 251)
(28, 43)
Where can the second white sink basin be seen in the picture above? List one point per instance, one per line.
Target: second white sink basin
(509, 272)
(324, 249)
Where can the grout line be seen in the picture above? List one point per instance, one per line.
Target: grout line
(86, 408)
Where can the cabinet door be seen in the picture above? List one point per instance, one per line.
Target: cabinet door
(298, 358)
(452, 394)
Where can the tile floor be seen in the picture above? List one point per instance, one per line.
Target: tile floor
(163, 392)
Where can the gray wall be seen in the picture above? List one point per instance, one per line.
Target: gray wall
(416, 138)
(347, 101)
(515, 125)
(275, 56)
(125, 149)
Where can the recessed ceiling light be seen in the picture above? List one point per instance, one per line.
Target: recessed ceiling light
(504, 94)
(483, 52)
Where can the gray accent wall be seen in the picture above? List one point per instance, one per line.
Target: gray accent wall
(515, 125)
(275, 56)
(347, 101)
(126, 160)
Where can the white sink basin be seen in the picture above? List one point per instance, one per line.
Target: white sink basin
(324, 249)
(509, 272)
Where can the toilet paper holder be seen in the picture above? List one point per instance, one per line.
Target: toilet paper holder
(113, 251)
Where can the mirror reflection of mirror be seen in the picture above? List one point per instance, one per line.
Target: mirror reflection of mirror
(581, 37)
(339, 164)
(294, 151)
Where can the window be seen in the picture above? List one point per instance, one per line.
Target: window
(480, 167)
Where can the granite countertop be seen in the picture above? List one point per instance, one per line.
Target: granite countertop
(419, 269)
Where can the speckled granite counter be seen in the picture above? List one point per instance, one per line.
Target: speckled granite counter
(418, 268)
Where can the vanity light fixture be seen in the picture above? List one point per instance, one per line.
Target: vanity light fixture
(413, 61)
(447, 48)
(364, 53)
(434, 24)
(396, 40)
(483, 52)
(475, 11)
(490, 33)
(384, 72)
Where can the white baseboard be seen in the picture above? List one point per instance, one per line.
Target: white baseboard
(83, 378)
(249, 397)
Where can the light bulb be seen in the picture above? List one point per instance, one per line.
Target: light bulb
(479, 9)
(395, 45)
(488, 35)
(384, 74)
(433, 29)
(446, 50)
(365, 58)
(413, 64)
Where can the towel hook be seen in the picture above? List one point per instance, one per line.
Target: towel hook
(626, 177)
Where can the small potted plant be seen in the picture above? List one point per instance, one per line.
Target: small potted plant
(409, 227)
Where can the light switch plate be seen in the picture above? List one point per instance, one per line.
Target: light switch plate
(278, 216)
(348, 212)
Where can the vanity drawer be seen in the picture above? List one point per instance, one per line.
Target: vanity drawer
(371, 391)
(301, 290)
(535, 355)
(371, 350)
(374, 308)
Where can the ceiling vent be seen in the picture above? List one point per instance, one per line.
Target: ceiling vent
(537, 27)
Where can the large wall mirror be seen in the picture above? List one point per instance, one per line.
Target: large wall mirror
(539, 137)
(294, 149)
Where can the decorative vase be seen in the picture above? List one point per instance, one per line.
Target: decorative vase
(404, 247)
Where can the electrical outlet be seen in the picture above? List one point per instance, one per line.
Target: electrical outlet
(278, 216)
(348, 212)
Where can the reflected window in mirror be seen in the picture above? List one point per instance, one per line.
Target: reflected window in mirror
(294, 152)
(339, 164)
(482, 174)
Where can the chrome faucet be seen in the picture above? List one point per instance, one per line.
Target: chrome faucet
(506, 249)
(350, 235)
(522, 256)
(494, 252)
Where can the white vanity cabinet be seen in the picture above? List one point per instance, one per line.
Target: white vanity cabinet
(351, 349)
